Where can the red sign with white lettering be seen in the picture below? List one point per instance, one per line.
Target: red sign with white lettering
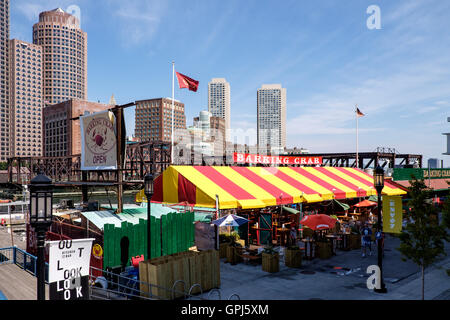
(262, 159)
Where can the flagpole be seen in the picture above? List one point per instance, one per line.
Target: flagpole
(173, 97)
(357, 158)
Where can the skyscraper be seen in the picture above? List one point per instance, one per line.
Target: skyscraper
(65, 55)
(271, 117)
(4, 81)
(26, 99)
(219, 99)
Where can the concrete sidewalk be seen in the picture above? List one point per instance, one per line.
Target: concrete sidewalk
(342, 277)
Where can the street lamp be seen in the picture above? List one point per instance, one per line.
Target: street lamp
(41, 199)
(378, 182)
(148, 190)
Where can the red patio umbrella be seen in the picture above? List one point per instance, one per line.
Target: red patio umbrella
(365, 203)
(318, 222)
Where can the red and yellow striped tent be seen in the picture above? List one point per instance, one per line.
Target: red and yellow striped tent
(258, 187)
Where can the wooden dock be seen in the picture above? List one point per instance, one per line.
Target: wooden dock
(16, 283)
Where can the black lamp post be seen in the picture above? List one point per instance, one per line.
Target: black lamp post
(41, 199)
(378, 181)
(148, 190)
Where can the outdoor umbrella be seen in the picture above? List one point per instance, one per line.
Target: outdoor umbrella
(365, 203)
(318, 222)
(230, 220)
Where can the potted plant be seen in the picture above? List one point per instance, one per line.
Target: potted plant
(293, 257)
(232, 249)
(354, 238)
(224, 241)
(270, 259)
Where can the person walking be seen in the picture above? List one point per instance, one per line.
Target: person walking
(366, 240)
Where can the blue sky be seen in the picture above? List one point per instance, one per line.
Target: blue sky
(322, 52)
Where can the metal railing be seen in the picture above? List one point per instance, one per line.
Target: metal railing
(111, 286)
(21, 258)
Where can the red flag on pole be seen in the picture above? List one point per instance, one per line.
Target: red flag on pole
(186, 82)
(359, 113)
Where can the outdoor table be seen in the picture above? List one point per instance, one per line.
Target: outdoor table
(343, 243)
(333, 239)
(283, 232)
(308, 244)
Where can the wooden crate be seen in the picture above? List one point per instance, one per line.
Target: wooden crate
(293, 258)
(270, 262)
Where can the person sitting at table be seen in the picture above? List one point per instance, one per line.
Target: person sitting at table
(293, 235)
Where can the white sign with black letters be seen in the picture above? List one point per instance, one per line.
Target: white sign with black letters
(69, 262)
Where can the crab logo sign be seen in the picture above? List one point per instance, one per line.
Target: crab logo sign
(98, 141)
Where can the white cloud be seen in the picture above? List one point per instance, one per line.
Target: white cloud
(138, 20)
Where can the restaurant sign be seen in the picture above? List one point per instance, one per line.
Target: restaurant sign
(98, 141)
(436, 173)
(263, 159)
(69, 262)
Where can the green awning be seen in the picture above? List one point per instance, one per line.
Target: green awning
(291, 210)
(373, 198)
(344, 206)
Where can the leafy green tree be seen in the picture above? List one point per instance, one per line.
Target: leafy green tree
(423, 238)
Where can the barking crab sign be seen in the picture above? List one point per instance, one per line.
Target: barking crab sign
(98, 141)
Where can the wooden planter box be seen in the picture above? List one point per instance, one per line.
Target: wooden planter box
(324, 250)
(293, 258)
(232, 255)
(202, 267)
(223, 249)
(354, 241)
(270, 262)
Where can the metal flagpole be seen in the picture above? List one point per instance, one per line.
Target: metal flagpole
(357, 158)
(173, 97)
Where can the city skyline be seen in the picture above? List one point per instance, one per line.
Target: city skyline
(323, 54)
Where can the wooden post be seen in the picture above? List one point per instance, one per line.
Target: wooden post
(119, 115)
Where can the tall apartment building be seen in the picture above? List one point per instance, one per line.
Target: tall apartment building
(219, 103)
(4, 82)
(26, 101)
(271, 117)
(153, 119)
(65, 55)
(62, 136)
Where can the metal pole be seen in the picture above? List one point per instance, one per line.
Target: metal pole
(40, 263)
(380, 252)
(149, 248)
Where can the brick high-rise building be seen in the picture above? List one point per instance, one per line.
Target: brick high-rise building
(62, 136)
(5, 119)
(65, 55)
(153, 119)
(26, 101)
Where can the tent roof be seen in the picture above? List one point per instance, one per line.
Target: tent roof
(258, 187)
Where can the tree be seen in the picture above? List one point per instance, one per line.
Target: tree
(422, 240)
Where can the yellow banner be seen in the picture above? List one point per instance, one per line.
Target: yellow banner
(392, 214)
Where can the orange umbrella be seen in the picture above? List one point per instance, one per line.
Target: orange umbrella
(318, 221)
(365, 203)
